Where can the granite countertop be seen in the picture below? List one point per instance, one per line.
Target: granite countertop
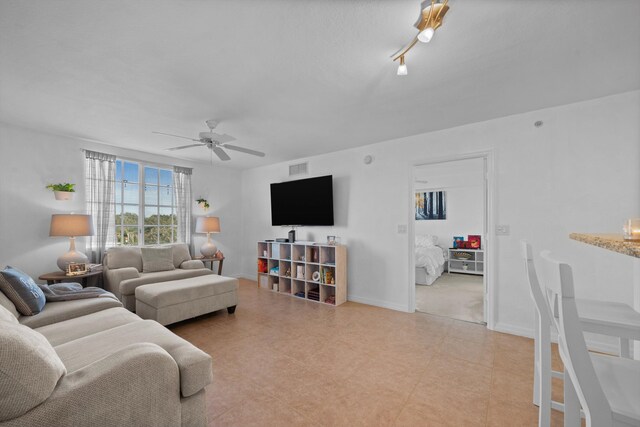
(612, 242)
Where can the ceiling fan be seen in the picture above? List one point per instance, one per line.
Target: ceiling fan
(214, 141)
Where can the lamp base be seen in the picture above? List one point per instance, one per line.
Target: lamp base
(69, 257)
(208, 250)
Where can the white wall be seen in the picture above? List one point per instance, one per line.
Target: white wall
(577, 173)
(30, 160)
(463, 182)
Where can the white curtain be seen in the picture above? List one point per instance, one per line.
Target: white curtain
(100, 172)
(182, 193)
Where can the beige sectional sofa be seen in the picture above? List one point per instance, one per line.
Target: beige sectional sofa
(92, 362)
(123, 271)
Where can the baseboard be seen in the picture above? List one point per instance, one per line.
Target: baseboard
(594, 345)
(513, 330)
(378, 303)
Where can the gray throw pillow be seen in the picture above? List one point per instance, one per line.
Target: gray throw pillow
(180, 253)
(22, 291)
(157, 259)
(124, 256)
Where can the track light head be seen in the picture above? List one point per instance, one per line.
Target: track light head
(426, 35)
(402, 68)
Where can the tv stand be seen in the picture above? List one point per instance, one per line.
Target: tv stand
(312, 271)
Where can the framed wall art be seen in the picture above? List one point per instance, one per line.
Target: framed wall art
(431, 205)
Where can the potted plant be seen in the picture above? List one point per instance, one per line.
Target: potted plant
(62, 191)
(203, 204)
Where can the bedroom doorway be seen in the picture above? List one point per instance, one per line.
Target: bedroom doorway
(449, 237)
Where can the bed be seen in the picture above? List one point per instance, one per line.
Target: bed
(430, 259)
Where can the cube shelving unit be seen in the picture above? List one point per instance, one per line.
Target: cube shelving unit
(305, 270)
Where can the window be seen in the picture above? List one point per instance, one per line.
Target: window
(145, 204)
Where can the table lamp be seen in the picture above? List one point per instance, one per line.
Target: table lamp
(71, 226)
(208, 224)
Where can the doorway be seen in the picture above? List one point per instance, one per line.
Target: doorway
(449, 238)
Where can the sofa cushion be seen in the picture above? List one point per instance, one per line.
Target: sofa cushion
(29, 370)
(7, 316)
(179, 291)
(128, 287)
(157, 259)
(124, 256)
(59, 311)
(193, 363)
(6, 303)
(180, 254)
(22, 291)
(69, 330)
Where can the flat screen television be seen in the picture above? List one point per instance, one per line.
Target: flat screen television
(303, 202)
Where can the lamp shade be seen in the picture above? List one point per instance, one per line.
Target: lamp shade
(208, 224)
(70, 225)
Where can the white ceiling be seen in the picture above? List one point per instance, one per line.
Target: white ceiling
(299, 78)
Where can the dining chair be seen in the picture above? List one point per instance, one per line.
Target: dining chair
(607, 387)
(602, 317)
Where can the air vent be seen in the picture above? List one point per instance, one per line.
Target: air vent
(299, 169)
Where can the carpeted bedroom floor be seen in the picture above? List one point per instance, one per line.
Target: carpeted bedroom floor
(457, 296)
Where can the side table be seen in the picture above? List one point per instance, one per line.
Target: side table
(60, 276)
(211, 260)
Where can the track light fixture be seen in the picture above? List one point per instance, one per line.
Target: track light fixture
(430, 20)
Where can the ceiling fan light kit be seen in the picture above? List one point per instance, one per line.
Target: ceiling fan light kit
(429, 21)
(213, 141)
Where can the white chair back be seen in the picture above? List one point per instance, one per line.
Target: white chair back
(571, 343)
(536, 291)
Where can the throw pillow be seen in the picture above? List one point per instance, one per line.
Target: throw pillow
(180, 254)
(22, 291)
(157, 259)
(30, 370)
(123, 256)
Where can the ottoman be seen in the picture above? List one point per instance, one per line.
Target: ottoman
(176, 300)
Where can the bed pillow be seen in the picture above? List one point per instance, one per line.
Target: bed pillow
(157, 259)
(22, 291)
(426, 240)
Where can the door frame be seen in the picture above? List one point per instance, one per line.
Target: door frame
(489, 278)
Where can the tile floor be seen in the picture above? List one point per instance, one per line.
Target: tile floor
(282, 361)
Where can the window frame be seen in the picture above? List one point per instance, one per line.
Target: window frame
(141, 206)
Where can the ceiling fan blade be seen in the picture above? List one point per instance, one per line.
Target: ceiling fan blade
(220, 153)
(177, 136)
(221, 139)
(182, 147)
(245, 150)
